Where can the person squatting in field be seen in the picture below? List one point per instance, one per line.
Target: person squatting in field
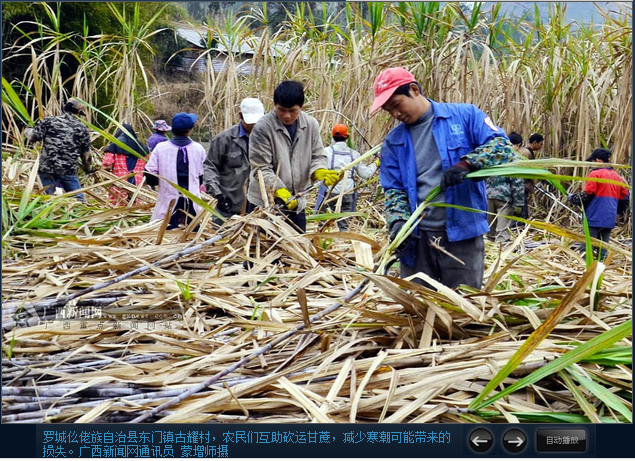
(64, 141)
(180, 161)
(285, 147)
(602, 202)
(125, 161)
(338, 155)
(226, 168)
(437, 144)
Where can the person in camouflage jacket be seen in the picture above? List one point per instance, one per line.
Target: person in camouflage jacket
(64, 141)
(504, 195)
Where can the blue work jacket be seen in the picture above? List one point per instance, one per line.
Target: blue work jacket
(457, 129)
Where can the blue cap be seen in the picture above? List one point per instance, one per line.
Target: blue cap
(183, 121)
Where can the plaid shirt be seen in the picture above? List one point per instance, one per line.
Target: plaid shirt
(117, 163)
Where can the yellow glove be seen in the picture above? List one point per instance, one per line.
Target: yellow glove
(282, 196)
(329, 177)
(377, 162)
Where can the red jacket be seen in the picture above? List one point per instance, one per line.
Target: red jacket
(602, 211)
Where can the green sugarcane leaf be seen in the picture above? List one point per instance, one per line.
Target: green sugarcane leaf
(581, 352)
(509, 169)
(515, 171)
(33, 223)
(534, 340)
(12, 99)
(561, 162)
(541, 417)
(612, 357)
(579, 397)
(602, 393)
(587, 238)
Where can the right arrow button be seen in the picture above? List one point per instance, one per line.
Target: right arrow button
(514, 441)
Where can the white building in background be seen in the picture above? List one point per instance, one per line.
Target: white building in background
(243, 48)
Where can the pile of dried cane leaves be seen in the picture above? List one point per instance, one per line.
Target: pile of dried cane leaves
(281, 338)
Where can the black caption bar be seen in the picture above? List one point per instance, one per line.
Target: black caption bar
(317, 440)
(237, 440)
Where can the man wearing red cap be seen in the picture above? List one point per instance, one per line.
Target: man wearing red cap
(338, 155)
(437, 144)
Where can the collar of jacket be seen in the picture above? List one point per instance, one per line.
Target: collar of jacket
(440, 110)
(340, 146)
(302, 123)
(241, 131)
(240, 141)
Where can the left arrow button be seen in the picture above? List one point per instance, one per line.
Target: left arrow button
(481, 440)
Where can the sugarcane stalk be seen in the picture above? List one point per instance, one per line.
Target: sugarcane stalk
(11, 307)
(25, 323)
(31, 415)
(29, 405)
(79, 368)
(370, 153)
(559, 202)
(27, 421)
(61, 391)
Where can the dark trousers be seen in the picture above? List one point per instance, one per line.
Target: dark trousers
(530, 186)
(442, 267)
(69, 183)
(348, 206)
(298, 219)
(183, 213)
(600, 233)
